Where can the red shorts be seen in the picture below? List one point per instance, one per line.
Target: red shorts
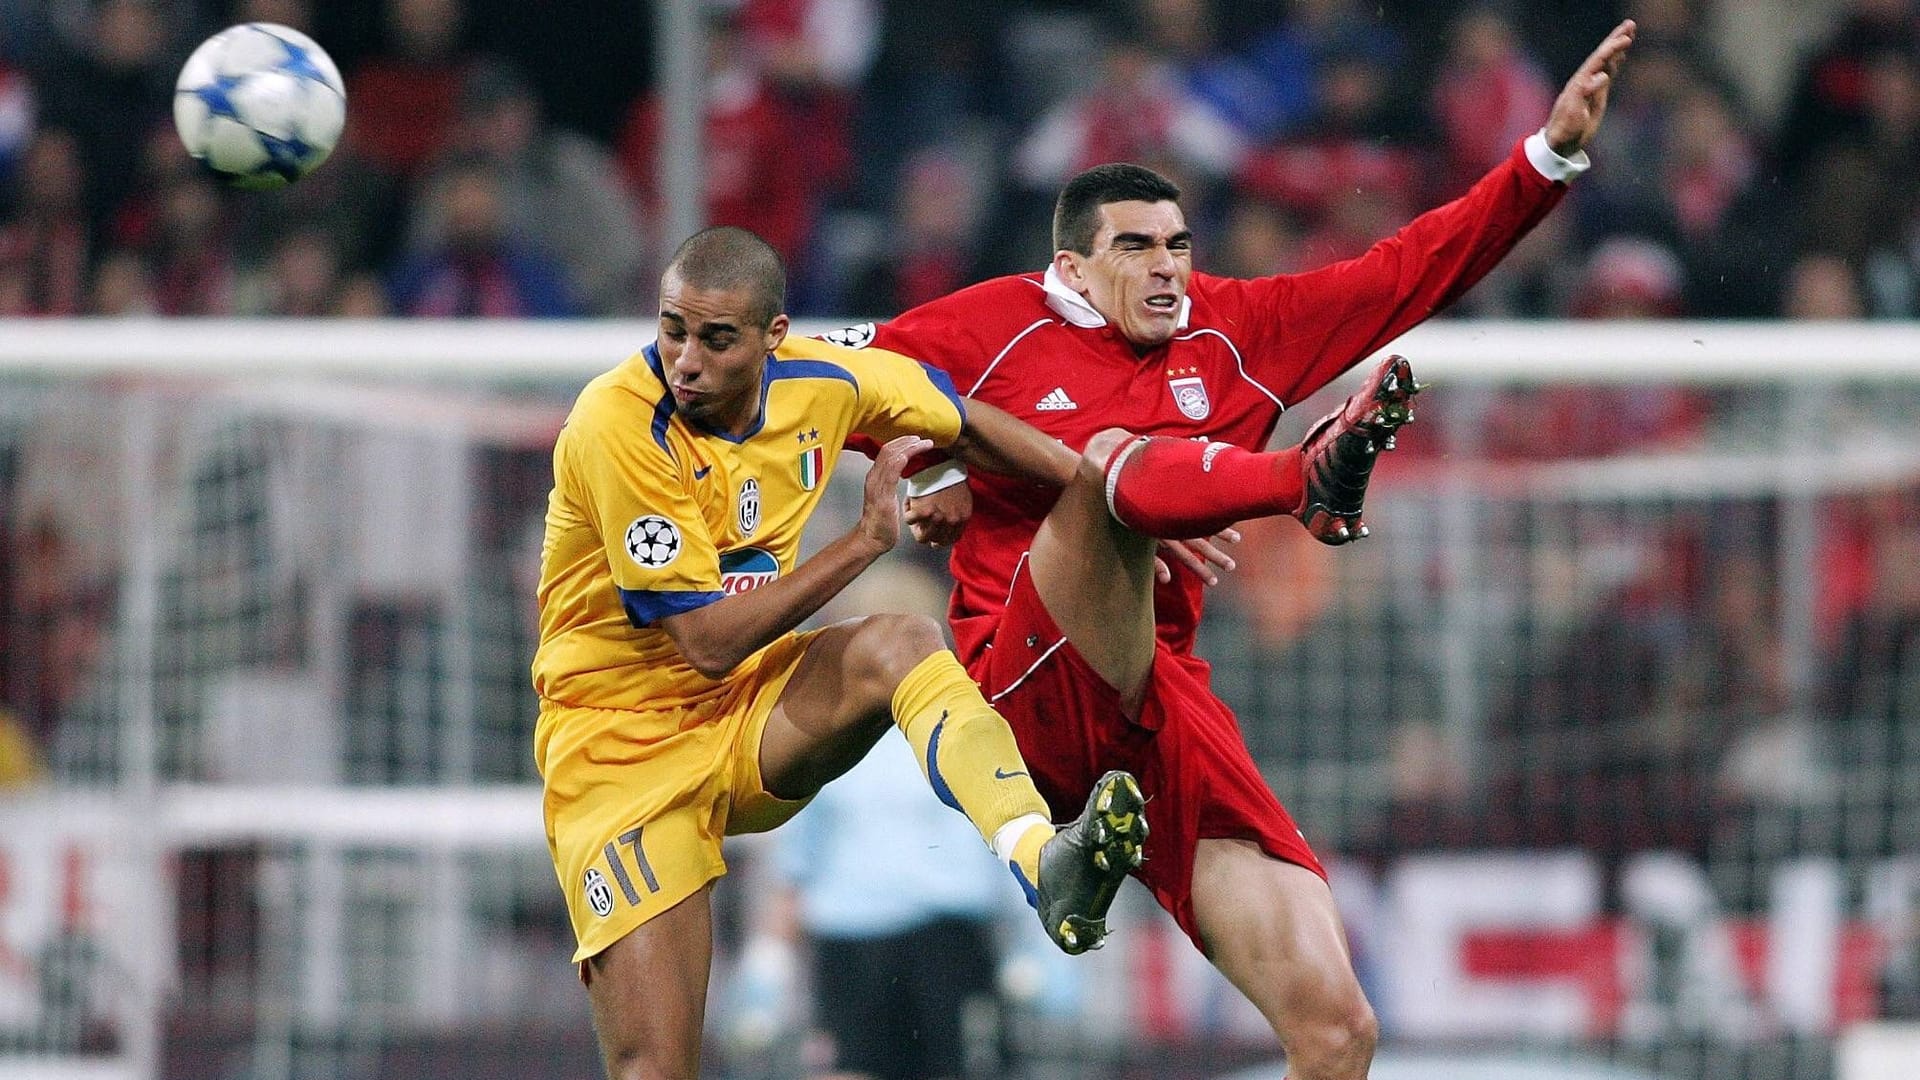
(1185, 748)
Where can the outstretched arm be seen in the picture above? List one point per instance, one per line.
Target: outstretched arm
(997, 442)
(993, 441)
(1576, 114)
(1323, 322)
(715, 638)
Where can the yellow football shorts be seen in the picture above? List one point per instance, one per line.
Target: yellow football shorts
(637, 802)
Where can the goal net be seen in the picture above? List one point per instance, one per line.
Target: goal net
(1611, 730)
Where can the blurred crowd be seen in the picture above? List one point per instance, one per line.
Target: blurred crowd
(500, 159)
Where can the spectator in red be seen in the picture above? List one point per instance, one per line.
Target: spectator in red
(929, 251)
(45, 240)
(1624, 278)
(405, 98)
(1830, 101)
(755, 158)
(1348, 170)
(1494, 95)
(814, 54)
(1629, 278)
(1136, 109)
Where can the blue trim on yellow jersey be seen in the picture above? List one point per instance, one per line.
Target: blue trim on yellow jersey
(776, 369)
(646, 606)
(787, 369)
(663, 409)
(943, 382)
(809, 369)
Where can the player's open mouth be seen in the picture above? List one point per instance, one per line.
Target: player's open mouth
(685, 394)
(1163, 303)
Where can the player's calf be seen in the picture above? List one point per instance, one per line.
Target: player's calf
(1337, 455)
(1082, 866)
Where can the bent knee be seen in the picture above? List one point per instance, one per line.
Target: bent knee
(1100, 448)
(1336, 1042)
(634, 1064)
(888, 646)
(1098, 454)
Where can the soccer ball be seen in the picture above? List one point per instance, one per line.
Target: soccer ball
(259, 105)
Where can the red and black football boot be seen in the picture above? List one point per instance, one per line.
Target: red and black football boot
(1338, 453)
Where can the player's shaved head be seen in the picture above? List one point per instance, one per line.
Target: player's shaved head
(730, 259)
(1076, 214)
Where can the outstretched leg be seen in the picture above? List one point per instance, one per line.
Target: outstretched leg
(1180, 488)
(649, 993)
(859, 675)
(1092, 559)
(1272, 929)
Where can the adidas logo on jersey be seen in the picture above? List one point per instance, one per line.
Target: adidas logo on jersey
(1056, 401)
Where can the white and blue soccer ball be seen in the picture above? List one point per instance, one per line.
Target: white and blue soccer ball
(260, 105)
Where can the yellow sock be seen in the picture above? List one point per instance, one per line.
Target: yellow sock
(970, 759)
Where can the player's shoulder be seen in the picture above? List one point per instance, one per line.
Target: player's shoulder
(996, 299)
(634, 384)
(847, 354)
(1215, 298)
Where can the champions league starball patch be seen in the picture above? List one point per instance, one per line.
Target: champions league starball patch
(653, 542)
(852, 337)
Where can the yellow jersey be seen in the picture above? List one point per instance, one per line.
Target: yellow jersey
(652, 515)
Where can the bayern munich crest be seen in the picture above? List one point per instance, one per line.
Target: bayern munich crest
(1190, 394)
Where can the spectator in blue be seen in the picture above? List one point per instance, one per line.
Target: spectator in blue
(479, 268)
(1290, 58)
(898, 907)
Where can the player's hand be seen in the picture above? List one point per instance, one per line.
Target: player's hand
(937, 519)
(1583, 101)
(880, 512)
(1199, 556)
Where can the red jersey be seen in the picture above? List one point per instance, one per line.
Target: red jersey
(1244, 351)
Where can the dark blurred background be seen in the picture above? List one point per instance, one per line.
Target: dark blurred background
(1756, 162)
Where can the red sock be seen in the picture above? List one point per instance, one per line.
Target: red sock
(1178, 489)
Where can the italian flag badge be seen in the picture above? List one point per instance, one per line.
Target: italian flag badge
(812, 464)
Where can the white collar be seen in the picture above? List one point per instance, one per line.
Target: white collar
(1074, 308)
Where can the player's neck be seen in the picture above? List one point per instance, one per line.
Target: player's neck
(739, 421)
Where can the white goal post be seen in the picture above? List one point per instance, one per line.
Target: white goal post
(299, 553)
(486, 352)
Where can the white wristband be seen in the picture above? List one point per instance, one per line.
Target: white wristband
(936, 478)
(1552, 165)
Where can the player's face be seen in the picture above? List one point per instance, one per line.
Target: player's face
(1138, 272)
(713, 351)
